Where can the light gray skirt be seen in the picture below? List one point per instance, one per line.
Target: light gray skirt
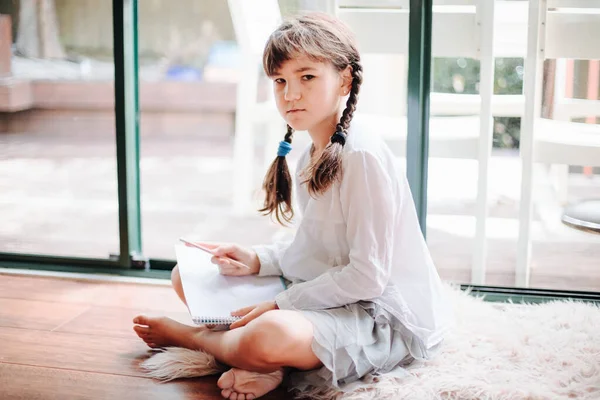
(351, 342)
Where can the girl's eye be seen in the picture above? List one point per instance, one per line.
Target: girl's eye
(279, 80)
(308, 77)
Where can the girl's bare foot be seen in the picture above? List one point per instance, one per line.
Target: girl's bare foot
(238, 384)
(163, 332)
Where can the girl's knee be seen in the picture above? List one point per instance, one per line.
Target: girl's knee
(176, 283)
(286, 325)
(176, 277)
(269, 325)
(271, 337)
(259, 343)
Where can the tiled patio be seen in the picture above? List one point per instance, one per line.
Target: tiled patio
(59, 196)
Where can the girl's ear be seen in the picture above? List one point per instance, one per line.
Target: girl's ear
(346, 81)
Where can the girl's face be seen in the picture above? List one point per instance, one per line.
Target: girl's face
(309, 93)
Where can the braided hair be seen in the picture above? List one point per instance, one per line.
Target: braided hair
(322, 173)
(278, 187)
(322, 38)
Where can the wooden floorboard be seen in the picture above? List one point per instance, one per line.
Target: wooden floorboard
(87, 353)
(67, 339)
(34, 314)
(123, 295)
(25, 382)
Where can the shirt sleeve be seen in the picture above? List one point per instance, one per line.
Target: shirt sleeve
(270, 257)
(369, 209)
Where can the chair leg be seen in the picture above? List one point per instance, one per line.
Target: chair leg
(526, 209)
(485, 15)
(478, 267)
(532, 88)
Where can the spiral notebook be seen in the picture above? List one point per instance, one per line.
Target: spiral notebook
(211, 296)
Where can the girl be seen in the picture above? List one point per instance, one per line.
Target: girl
(364, 296)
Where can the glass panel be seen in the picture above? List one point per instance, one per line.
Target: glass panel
(565, 252)
(193, 182)
(562, 257)
(57, 136)
(453, 176)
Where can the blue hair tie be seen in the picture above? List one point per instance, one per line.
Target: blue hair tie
(284, 148)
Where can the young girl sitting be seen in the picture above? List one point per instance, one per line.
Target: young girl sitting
(364, 296)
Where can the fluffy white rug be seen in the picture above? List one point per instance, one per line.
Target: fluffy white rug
(496, 351)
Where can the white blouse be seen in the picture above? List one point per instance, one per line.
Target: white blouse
(361, 241)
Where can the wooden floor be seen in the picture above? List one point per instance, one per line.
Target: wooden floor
(68, 339)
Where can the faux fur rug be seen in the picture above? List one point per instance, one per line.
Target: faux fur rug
(495, 351)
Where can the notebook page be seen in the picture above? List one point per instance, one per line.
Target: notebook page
(211, 295)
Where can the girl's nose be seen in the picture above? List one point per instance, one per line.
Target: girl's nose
(292, 93)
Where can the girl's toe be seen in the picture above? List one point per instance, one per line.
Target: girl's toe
(141, 319)
(225, 393)
(226, 381)
(233, 396)
(141, 330)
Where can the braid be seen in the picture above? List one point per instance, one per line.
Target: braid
(289, 134)
(348, 113)
(278, 187)
(322, 173)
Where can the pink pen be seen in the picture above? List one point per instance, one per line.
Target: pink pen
(206, 249)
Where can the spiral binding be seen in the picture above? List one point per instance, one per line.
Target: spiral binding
(214, 320)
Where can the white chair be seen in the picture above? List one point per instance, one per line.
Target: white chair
(461, 125)
(568, 30)
(253, 22)
(566, 109)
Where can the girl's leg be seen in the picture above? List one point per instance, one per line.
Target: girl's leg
(276, 339)
(177, 285)
(259, 350)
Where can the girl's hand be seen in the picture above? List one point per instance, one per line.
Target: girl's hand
(223, 251)
(252, 312)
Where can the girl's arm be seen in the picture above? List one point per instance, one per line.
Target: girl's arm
(370, 207)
